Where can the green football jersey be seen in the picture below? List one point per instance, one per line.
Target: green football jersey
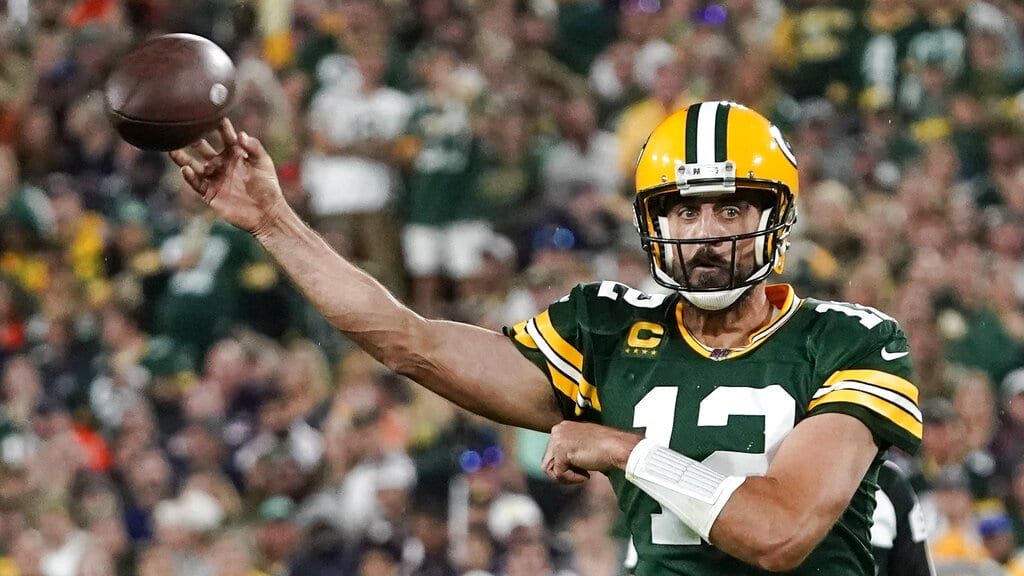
(622, 358)
(439, 188)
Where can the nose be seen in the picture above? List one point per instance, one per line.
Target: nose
(708, 223)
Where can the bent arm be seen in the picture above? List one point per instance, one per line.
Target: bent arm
(775, 521)
(772, 521)
(475, 368)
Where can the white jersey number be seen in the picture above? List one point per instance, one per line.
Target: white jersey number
(656, 412)
(869, 317)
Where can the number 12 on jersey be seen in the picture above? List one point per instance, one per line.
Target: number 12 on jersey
(656, 412)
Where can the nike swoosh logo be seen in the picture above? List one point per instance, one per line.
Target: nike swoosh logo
(886, 355)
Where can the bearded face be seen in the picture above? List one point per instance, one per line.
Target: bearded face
(723, 261)
(706, 269)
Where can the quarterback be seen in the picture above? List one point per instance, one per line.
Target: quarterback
(741, 425)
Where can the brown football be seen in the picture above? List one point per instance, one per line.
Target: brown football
(169, 91)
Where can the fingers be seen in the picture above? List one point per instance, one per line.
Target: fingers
(204, 149)
(194, 180)
(185, 160)
(558, 468)
(227, 132)
(180, 157)
(192, 170)
(574, 476)
(252, 146)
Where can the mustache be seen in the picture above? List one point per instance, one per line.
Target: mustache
(705, 256)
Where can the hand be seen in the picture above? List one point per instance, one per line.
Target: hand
(239, 183)
(577, 448)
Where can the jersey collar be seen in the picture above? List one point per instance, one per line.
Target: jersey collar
(781, 296)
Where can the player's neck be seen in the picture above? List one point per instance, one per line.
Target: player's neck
(733, 327)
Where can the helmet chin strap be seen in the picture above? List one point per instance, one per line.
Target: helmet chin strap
(712, 300)
(716, 300)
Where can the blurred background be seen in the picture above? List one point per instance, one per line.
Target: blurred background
(170, 406)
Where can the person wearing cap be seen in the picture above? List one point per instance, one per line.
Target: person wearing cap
(953, 530)
(277, 533)
(996, 529)
(822, 143)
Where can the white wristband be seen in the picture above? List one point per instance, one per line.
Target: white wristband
(687, 488)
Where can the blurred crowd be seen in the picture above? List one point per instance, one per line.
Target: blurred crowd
(170, 406)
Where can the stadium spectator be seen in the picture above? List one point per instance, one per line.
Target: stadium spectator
(348, 170)
(442, 233)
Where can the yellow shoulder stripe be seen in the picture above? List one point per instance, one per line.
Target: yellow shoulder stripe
(521, 336)
(875, 404)
(589, 391)
(557, 343)
(564, 384)
(878, 378)
(566, 364)
(568, 387)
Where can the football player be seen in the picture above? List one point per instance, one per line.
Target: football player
(742, 426)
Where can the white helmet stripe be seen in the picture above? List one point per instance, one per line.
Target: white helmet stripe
(783, 145)
(706, 117)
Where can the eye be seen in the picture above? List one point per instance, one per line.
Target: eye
(685, 212)
(731, 211)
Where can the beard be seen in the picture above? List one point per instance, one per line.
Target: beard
(716, 272)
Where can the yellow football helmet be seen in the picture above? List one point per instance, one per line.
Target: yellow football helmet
(715, 148)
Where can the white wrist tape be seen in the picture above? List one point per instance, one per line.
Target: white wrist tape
(685, 487)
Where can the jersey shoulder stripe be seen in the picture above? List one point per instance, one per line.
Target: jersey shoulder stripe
(558, 339)
(881, 392)
(564, 362)
(564, 350)
(866, 369)
(520, 335)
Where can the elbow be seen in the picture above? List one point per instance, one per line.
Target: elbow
(782, 557)
(783, 547)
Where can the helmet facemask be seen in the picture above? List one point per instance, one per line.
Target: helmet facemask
(715, 289)
(706, 150)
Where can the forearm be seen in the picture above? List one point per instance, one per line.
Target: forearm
(761, 525)
(475, 368)
(772, 521)
(350, 299)
(748, 518)
(478, 369)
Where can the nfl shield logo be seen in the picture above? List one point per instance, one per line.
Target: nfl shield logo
(720, 353)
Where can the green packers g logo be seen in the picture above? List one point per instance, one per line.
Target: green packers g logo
(644, 339)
